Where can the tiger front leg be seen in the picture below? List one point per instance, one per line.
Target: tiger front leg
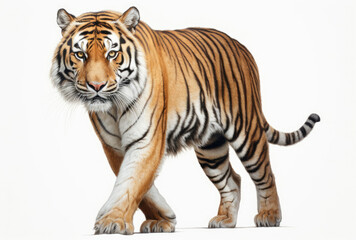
(159, 215)
(135, 177)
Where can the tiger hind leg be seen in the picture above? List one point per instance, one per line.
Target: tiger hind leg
(213, 157)
(252, 150)
(159, 216)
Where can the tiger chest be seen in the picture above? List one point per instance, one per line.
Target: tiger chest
(106, 127)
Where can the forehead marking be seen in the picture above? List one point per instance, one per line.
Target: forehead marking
(112, 42)
(80, 43)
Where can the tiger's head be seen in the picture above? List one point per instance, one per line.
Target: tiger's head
(98, 61)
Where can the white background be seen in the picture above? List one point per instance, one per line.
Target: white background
(54, 176)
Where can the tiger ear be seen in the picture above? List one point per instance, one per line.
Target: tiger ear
(130, 18)
(64, 19)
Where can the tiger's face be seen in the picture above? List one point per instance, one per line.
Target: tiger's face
(97, 61)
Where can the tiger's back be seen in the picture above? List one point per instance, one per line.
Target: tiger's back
(212, 83)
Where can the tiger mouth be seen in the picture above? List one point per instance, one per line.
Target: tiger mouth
(97, 99)
(97, 103)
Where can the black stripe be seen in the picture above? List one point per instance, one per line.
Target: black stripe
(220, 189)
(122, 40)
(302, 129)
(104, 128)
(86, 33)
(100, 137)
(155, 130)
(206, 115)
(256, 180)
(288, 140)
(238, 150)
(173, 145)
(228, 170)
(111, 115)
(275, 136)
(251, 151)
(128, 146)
(293, 137)
(256, 168)
(139, 116)
(216, 162)
(265, 182)
(105, 32)
(61, 77)
(261, 157)
(269, 185)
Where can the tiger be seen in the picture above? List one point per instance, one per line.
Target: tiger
(152, 93)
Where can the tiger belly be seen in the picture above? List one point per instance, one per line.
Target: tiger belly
(190, 128)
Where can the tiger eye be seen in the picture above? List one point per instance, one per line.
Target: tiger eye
(80, 55)
(112, 54)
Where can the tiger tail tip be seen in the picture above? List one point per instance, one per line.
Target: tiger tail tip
(314, 117)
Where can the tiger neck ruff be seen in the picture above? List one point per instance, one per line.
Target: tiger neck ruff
(151, 93)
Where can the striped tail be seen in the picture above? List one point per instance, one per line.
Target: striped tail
(286, 139)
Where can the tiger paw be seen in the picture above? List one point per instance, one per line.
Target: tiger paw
(222, 221)
(150, 226)
(111, 224)
(268, 218)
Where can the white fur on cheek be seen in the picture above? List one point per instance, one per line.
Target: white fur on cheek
(54, 71)
(128, 94)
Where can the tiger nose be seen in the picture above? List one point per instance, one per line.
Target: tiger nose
(97, 86)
